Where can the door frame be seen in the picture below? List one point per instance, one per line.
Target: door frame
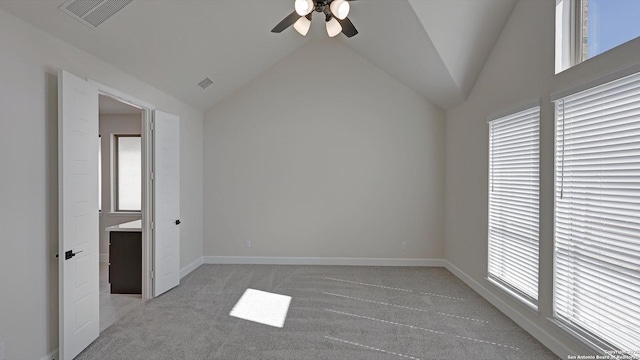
(147, 180)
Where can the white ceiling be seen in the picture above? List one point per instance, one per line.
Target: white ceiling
(436, 47)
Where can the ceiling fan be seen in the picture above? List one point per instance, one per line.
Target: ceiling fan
(335, 12)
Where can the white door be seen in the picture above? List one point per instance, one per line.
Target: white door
(79, 316)
(166, 147)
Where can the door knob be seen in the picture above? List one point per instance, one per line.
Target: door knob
(177, 222)
(69, 254)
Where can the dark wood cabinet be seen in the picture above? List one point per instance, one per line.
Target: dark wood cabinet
(125, 262)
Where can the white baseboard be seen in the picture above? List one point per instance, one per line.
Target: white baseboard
(51, 356)
(189, 268)
(266, 260)
(104, 257)
(548, 340)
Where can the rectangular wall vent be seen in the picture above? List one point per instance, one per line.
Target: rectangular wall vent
(205, 83)
(93, 12)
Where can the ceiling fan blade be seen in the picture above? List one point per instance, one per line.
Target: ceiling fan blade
(347, 27)
(286, 22)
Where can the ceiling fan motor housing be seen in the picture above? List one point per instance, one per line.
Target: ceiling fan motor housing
(322, 5)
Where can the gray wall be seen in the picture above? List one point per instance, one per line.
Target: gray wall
(519, 70)
(113, 125)
(29, 62)
(324, 155)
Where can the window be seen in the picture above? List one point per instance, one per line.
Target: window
(514, 143)
(607, 24)
(587, 28)
(597, 215)
(128, 172)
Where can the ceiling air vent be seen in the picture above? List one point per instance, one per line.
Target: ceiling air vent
(93, 12)
(205, 83)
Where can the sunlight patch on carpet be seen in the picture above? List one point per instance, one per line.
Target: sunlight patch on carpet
(262, 307)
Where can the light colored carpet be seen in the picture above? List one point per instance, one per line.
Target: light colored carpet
(336, 313)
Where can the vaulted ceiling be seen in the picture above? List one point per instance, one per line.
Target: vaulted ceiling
(436, 47)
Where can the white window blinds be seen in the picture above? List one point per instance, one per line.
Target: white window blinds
(514, 148)
(597, 216)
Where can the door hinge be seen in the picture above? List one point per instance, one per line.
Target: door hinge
(151, 223)
(153, 125)
(151, 273)
(153, 176)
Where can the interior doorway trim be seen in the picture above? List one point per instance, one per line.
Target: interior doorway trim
(147, 181)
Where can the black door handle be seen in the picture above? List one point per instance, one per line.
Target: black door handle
(69, 254)
(177, 222)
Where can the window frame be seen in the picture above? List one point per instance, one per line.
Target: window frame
(530, 302)
(565, 35)
(116, 175)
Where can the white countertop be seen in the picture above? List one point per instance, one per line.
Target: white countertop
(130, 226)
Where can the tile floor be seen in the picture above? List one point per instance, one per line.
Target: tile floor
(113, 306)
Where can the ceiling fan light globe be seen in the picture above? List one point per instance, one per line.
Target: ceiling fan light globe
(333, 27)
(302, 26)
(303, 7)
(340, 8)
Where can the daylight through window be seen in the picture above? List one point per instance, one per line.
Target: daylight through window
(514, 143)
(588, 28)
(597, 217)
(128, 166)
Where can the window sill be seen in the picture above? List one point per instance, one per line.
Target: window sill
(533, 308)
(586, 340)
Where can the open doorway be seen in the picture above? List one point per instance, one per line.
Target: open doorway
(120, 199)
(78, 215)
